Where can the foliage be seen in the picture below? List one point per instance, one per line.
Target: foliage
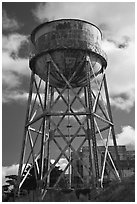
(30, 182)
(8, 189)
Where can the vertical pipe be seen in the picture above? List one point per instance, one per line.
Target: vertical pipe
(49, 139)
(48, 156)
(25, 130)
(69, 140)
(42, 152)
(112, 130)
(91, 117)
(91, 163)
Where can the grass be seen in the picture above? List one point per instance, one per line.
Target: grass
(116, 192)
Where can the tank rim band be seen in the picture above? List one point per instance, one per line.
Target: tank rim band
(102, 58)
(32, 37)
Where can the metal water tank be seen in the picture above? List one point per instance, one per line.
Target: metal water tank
(68, 41)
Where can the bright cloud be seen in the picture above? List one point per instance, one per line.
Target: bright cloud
(120, 70)
(13, 67)
(9, 170)
(124, 103)
(10, 80)
(12, 95)
(121, 75)
(13, 42)
(126, 137)
(98, 13)
(10, 60)
(19, 96)
(62, 163)
(9, 23)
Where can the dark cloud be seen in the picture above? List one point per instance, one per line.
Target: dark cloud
(9, 24)
(24, 50)
(122, 44)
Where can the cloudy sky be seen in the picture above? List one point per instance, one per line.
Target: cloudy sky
(117, 22)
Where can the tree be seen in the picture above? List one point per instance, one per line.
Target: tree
(30, 182)
(8, 189)
(5, 189)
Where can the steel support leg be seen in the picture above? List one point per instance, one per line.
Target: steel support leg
(91, 159)
(112, 129)
(92, 127)
(25, 130)
(42, 153)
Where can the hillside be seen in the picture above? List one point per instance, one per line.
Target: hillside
(118, 192)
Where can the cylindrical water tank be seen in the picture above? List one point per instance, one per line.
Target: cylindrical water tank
(68, 41)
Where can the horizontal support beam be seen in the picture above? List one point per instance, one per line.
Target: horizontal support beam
(81, 135)
(48, 114)
(66, 113)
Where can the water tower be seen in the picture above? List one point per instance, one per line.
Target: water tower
(68, 106)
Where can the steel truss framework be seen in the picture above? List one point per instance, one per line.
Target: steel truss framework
(44, 126)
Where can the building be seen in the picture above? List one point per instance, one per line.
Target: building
(81, 171)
